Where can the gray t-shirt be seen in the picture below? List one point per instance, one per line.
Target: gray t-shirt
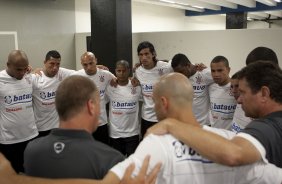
(69, 154)
(268, 131)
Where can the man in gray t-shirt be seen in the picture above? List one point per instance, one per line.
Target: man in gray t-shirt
(70, 151)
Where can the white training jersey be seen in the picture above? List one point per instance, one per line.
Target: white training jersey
(222, 106)
(124, 109)
(101, 79)
(44, 91)
(201, 101)
(181, 164)
(240, 121)
(147, 79)
(17, 122)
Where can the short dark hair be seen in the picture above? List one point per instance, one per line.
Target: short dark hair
(262, 53)
(235, 75)
(72, 94)
(263, 73)
(123, 63)
(146, 44)
(53, 54)
(180, 60)
(218, 59)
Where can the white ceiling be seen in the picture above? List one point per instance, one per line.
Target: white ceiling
(257, 9)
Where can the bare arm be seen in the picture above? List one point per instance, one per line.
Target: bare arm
(135, 82)
(102, 67)
(234, 152)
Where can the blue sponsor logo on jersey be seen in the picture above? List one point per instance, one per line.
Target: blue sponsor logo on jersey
(222, 108)
(147, 88)
(184, 153)
(18, 99)
(123, 105)
(199, 89)
(235, 128)
(47, 95)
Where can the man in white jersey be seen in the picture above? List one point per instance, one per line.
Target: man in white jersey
(44, 91)
(200, 81)
(17, 122)
(261, 99)
(222, 102)
(101, 78)
(148, 73)
(124, 110)
(181, 164)
(240, 121)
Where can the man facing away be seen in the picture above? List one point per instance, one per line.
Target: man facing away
(200, 81)
(17, 122)
(70, 151)
(261, 99)
(8, 176)
(173, 96)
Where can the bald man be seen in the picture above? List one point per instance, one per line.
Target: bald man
(102, 79)
(182, 164)
(17, 122)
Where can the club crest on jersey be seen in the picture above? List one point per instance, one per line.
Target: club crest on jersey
(8, 99)
(199, 79)
(161, 71)
(59, 147)
(18, 99)
(179, 149)
(230, 92)
(102, 78)
(42, 95)
(133, 90)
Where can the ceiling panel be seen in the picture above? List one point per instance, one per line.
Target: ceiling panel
(257, 9)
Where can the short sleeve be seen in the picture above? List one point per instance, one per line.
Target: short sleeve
(149, 146)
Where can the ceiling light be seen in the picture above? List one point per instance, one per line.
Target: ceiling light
(168, 1)
(198, 7)
(268, 2)
(184, 4)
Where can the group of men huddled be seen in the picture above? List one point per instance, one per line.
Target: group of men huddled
(208, 122)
